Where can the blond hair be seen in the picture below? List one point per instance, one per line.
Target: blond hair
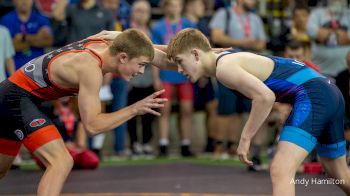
(134, 43)
(185, 40)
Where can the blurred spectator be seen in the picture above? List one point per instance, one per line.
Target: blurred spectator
(298, 30)
(194, 10)
(113, 6)
(77, 16)
(65, 116)
(141, 86)
(278, 14)
(162, 31)
(55, 11)
(124, 12)
(296, 50)
(5, 7)
(6, 54)
(51, 8)
(237, 26)
(343, 82)
(119, 87)
(7, 65)
(30, 31)
(329, 29)
(204, 95)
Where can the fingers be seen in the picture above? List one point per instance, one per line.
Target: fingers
(155, 105)
(148, 110)
(243, 158)
(160, 100)
(156, 94)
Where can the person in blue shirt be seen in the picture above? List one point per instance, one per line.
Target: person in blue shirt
(162, 31)
(316, 119)
(30, 31)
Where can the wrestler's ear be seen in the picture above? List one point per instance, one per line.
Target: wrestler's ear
(124, 58)
(195, 52)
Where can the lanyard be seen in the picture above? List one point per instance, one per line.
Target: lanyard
(244, 23)
(333, 22)
(169, 30)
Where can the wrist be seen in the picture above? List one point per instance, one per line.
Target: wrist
(133, 110)
(245, 138)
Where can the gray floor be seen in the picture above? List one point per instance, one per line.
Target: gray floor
(164, 178)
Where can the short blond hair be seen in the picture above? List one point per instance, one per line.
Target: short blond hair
(134, 43)
(185, 40)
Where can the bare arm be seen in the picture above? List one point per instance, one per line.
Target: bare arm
(161, 47)
(81, 136)
(162, 62)
(106, 35)
(93, 119)
(10, 66)
(235, 77)
(157, 84)
(219, 37)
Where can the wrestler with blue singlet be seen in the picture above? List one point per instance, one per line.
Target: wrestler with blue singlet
(316, 119)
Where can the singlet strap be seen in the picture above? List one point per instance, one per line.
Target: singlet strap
(222, 54)
(92, 41)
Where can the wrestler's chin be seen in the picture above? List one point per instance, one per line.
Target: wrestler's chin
(126, 78)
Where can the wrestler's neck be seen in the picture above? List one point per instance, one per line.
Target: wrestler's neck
(109, 62)
(209, 63)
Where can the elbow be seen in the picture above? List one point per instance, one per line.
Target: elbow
(90, 130)
(269, 98)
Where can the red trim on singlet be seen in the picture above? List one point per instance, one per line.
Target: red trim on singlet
(49, 71)
(23, 81)
(93, 41)
(9, 147)
(96, 56)
(41, 137)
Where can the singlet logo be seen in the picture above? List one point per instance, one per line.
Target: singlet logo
(19, 134)
(29, 67)
(37, 122)
(298, 63)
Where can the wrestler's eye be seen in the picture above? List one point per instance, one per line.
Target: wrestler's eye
(142, 65)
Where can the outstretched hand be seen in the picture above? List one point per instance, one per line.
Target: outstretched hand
(242, 151)
(148, 104)
(107, 35)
